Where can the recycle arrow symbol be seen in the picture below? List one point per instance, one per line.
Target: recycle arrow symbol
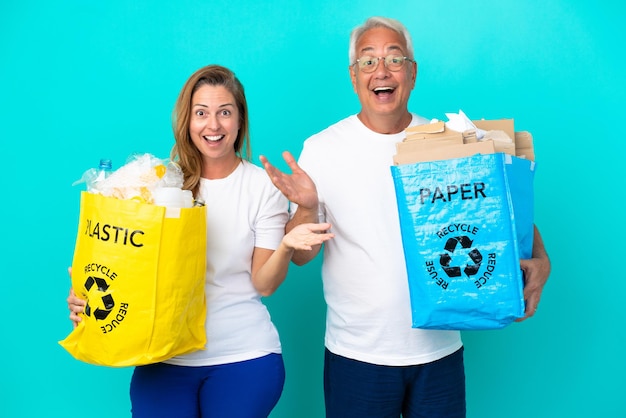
(100, 282)
(107, 300)
(450, 246)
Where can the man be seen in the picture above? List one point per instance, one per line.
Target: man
(376, 365)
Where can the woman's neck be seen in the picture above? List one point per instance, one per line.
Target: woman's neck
(220, 169)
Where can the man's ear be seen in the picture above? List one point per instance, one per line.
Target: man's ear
(352, 71)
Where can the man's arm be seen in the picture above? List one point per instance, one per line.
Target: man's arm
(303, 215)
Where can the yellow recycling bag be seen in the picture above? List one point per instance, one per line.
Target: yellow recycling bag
(141, 269)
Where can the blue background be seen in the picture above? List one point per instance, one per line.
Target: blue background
(84, 80)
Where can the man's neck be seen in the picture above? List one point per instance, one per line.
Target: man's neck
(386, 124)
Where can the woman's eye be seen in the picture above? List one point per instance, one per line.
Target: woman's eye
(225, 113)
(199, 113)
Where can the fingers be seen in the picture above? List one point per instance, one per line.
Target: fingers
(316, 239)
(288, 157)
(291, 161)
(532, 304)
(76, 306)
(75, 303)
(530, 310)
(321, 227)
(308, 243)
(314, 230)
(266, 163)
(532, 295)
(525, 265)
(306, 236)
(75, 319)
(536, 271)
(271, 170)
(74, 298)
(276, 176)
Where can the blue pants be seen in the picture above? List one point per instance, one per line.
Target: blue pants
(247, 389)
(354, 389)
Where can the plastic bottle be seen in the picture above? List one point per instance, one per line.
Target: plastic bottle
(187, 199)
(104, 170)
(171, 197)
(94, 175)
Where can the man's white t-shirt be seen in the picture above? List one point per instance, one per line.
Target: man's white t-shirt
(364, 274)
(244, 211)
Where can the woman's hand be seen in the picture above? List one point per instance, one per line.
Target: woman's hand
(75, 304)
(306, 236)
(269, 267)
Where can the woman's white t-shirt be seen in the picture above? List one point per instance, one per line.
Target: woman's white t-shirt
(244, 211)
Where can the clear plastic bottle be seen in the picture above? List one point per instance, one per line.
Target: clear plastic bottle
(104, 170)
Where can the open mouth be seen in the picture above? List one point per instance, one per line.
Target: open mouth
(213, 138)
(383, 90)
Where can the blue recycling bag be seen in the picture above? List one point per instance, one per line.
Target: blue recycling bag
(465, 224)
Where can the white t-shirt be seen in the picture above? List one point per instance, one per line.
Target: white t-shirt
(244, 211)
(364, 275)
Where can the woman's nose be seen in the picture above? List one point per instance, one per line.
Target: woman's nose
(213, 123)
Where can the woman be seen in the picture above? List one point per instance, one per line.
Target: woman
(241, 372)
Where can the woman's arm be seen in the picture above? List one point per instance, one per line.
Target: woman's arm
(269, 267)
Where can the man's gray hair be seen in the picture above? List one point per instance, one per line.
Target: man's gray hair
(379, 22)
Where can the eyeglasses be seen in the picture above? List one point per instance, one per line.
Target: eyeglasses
(393, 62)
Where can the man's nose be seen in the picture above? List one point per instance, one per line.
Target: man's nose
(381, 67)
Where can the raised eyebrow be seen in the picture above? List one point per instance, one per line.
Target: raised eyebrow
(222, 106)
(395, 48)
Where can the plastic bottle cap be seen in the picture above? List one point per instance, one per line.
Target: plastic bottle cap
(106, 164)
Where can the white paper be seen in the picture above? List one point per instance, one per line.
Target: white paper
(461, 123)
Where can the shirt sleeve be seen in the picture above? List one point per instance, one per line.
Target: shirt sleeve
(271, 220)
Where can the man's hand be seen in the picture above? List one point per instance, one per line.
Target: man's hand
(536, 271)
(297, 187)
